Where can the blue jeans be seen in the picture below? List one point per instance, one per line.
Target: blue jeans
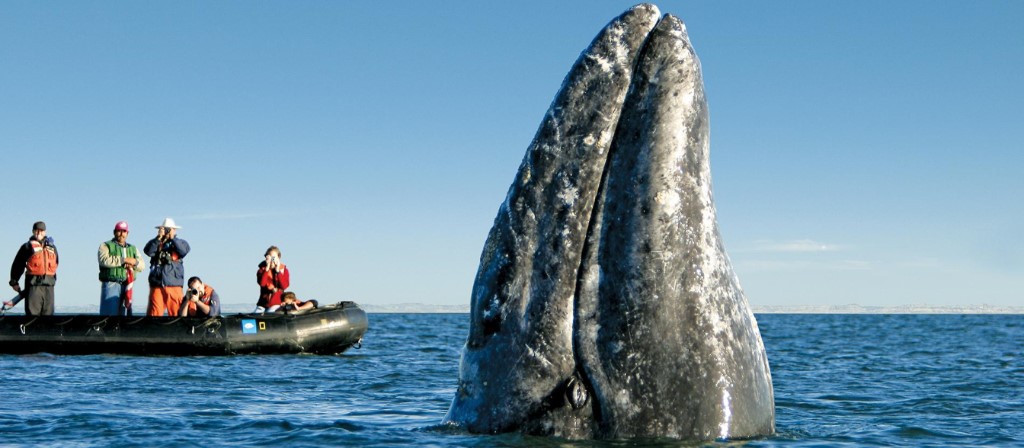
(110, 299)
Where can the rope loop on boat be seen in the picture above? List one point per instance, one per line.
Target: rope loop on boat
(25, 325)
(211, 324)
(358, 344)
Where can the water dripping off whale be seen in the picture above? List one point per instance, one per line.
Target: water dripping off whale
(605, 305)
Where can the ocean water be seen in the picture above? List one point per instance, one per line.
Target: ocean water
(840, 380)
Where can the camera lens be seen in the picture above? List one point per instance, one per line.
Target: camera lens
(194, 291)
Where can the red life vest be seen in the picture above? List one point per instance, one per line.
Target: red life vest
(43, 260)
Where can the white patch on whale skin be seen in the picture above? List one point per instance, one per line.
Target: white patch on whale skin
(723, 427)
(669, 201)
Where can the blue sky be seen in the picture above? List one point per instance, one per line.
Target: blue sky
(862, 152)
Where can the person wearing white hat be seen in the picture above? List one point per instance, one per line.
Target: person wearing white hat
(119, 262)
(166, 270)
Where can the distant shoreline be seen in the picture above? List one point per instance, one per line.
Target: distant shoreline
(425, 308)
(799, 309)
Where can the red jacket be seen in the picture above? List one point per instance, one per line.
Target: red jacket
(268, 278)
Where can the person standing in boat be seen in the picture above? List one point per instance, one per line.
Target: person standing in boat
(38, 260)
(200, 300)
(119, 262)
(166, 271)
(273, 278)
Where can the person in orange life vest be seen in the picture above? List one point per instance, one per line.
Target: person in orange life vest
(116, 258)
(200, 300)
(290, 303)
(38, 260)
(273, 278)
(166, 270)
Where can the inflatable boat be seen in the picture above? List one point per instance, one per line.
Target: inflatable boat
(328, 329)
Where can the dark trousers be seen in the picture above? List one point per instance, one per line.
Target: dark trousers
(39, 300)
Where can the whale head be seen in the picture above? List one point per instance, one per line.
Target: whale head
(605, 305)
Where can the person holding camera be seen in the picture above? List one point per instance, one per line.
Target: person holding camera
(166, 270)
(37, 259)
(200, 300)
(273, 278)
(119, 261)
(292, 304)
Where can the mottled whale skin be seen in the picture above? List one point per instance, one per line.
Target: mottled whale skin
(605, 305)
(664, 332)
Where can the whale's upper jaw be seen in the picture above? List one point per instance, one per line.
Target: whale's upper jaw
(605, 304)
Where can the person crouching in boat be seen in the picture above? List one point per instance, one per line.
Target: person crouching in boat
(273, 278)
(119, 262)
(290, 303)
(200, 300)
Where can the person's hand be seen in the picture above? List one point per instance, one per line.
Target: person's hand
(16, 287)
(9, 304)
(131, 262)
(170, 233)
(194, 298)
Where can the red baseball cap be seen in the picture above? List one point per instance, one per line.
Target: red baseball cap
(121, 225)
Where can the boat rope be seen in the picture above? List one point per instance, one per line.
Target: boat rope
(211, 325)
(65, 322)
(358, 344)
(25, 325)
(172, 321)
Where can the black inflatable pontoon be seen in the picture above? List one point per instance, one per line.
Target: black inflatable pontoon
(326, 330)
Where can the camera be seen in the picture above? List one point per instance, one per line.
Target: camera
(194, 291)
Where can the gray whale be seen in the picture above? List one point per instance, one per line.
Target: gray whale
(605, 305)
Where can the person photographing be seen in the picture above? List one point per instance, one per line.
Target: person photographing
(273, 278)
(166, 270)
(200, 300)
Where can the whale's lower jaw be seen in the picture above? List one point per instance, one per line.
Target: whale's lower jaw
(605, 305)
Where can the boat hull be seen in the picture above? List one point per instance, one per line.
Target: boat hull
(329, 329)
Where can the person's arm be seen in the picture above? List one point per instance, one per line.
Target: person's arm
(202, 307)
(139, 264)
(181, 247)
(18, 267)
(283, 278)
(264, 277)
(152, 247)
(106, 259)
(214, 308)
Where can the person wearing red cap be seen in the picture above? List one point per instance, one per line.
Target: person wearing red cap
(119, 261)
(37, 259)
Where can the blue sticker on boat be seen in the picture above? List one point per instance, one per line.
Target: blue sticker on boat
(249, 326)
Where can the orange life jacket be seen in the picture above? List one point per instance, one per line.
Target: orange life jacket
(193, 309)
(43, 260)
